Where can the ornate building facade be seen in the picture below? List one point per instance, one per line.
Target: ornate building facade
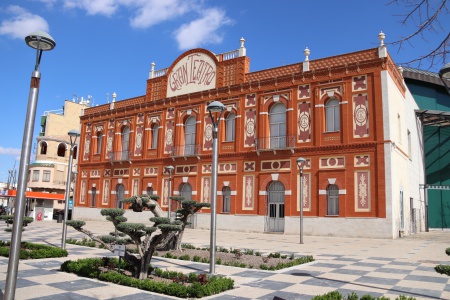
(350, 116)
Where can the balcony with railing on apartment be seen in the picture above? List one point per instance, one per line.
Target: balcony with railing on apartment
(185, 151)
(275, 143)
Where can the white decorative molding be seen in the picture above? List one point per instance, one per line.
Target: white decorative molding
(275, 176)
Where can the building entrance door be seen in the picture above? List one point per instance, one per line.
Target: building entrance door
(275, 207)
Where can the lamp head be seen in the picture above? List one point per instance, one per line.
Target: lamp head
(215, 106)
(170, 169)
(301, 162)
(40, 40)
(73, 134)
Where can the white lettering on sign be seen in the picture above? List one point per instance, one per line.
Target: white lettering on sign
(193, 73)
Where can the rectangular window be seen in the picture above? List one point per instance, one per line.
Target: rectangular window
(46, 176)
(35, 175)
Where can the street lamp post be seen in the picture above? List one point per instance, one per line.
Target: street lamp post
(40, 41)
(73, 135)
(217, 108)
(169, 211)
(301, 163)
(444, 74)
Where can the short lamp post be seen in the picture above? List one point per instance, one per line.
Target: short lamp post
(169, 210)
(40, 41)
(444, 74)
(215, 109)
(73, 135)
(301, 163)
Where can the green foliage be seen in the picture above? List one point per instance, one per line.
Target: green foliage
(107, 239)
(140, 203)
(112, 212)
(275, 255)
(200, 285)
(84, 242)
(335, 295)
(9, 219)
(75, 223)
(131, 228)
(443, 269)
(160, 220)
(33, 251)
(184, 257)
(187, 246)
(447, 251)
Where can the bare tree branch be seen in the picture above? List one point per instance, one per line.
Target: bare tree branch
(428, 13)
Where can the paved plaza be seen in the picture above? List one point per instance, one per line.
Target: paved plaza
(380, 267)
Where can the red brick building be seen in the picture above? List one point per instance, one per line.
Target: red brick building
(350, 116)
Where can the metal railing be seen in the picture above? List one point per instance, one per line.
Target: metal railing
(185, 151)
(275, 143)
(120, 156)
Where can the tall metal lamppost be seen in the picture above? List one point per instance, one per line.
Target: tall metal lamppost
(40, 41)
(301, 163)
(217, 109)
(169, 211)
(444, 74)
(73, 135)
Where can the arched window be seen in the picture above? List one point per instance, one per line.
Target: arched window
(125, 142)
(149, 190)
(332, 200)
(94, 196)
(277, 120)
(332, 115)
(120, 195)
(230, 127)
(186, 191)
(99, 143)
(226, 199)
(189, 136)
(154, 130)
(62, 150)
(44, 148)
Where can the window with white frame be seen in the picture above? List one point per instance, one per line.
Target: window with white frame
(99, 143)
(154, 132)
(125, 142)
(36, 175)
(189, 136)
(277, 123)
(46, 176)
(230, 121)
(332, 115)
(332, 200)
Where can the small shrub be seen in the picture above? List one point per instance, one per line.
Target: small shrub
(184, 257)
(196, 258)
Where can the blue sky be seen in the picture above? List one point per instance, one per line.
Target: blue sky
(106, 46)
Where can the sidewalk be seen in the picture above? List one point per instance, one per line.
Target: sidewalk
(379, 267)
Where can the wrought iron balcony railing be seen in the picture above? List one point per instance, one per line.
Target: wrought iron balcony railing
(274, 143)
(185, 151)
(120, 156)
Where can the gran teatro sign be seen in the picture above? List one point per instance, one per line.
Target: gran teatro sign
(193, 73)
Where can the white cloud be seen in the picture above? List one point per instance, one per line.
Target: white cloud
(203, 30)
(94, 7)
(151, 12)
(9, 151)
(22, 23)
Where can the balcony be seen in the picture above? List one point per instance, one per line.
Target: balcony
(185, 151)
(120, 156)
(275, 143)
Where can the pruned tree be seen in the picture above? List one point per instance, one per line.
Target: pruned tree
(426, 16)
(187, 207)
(145, 238)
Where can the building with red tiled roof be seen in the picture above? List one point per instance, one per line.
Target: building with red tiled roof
(351, 117)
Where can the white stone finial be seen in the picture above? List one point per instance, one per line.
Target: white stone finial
(381, 37)
(114, 95)
(242, 50)
(152, 70)
(307, 52)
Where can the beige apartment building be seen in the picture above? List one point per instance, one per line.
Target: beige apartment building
(48, 174)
